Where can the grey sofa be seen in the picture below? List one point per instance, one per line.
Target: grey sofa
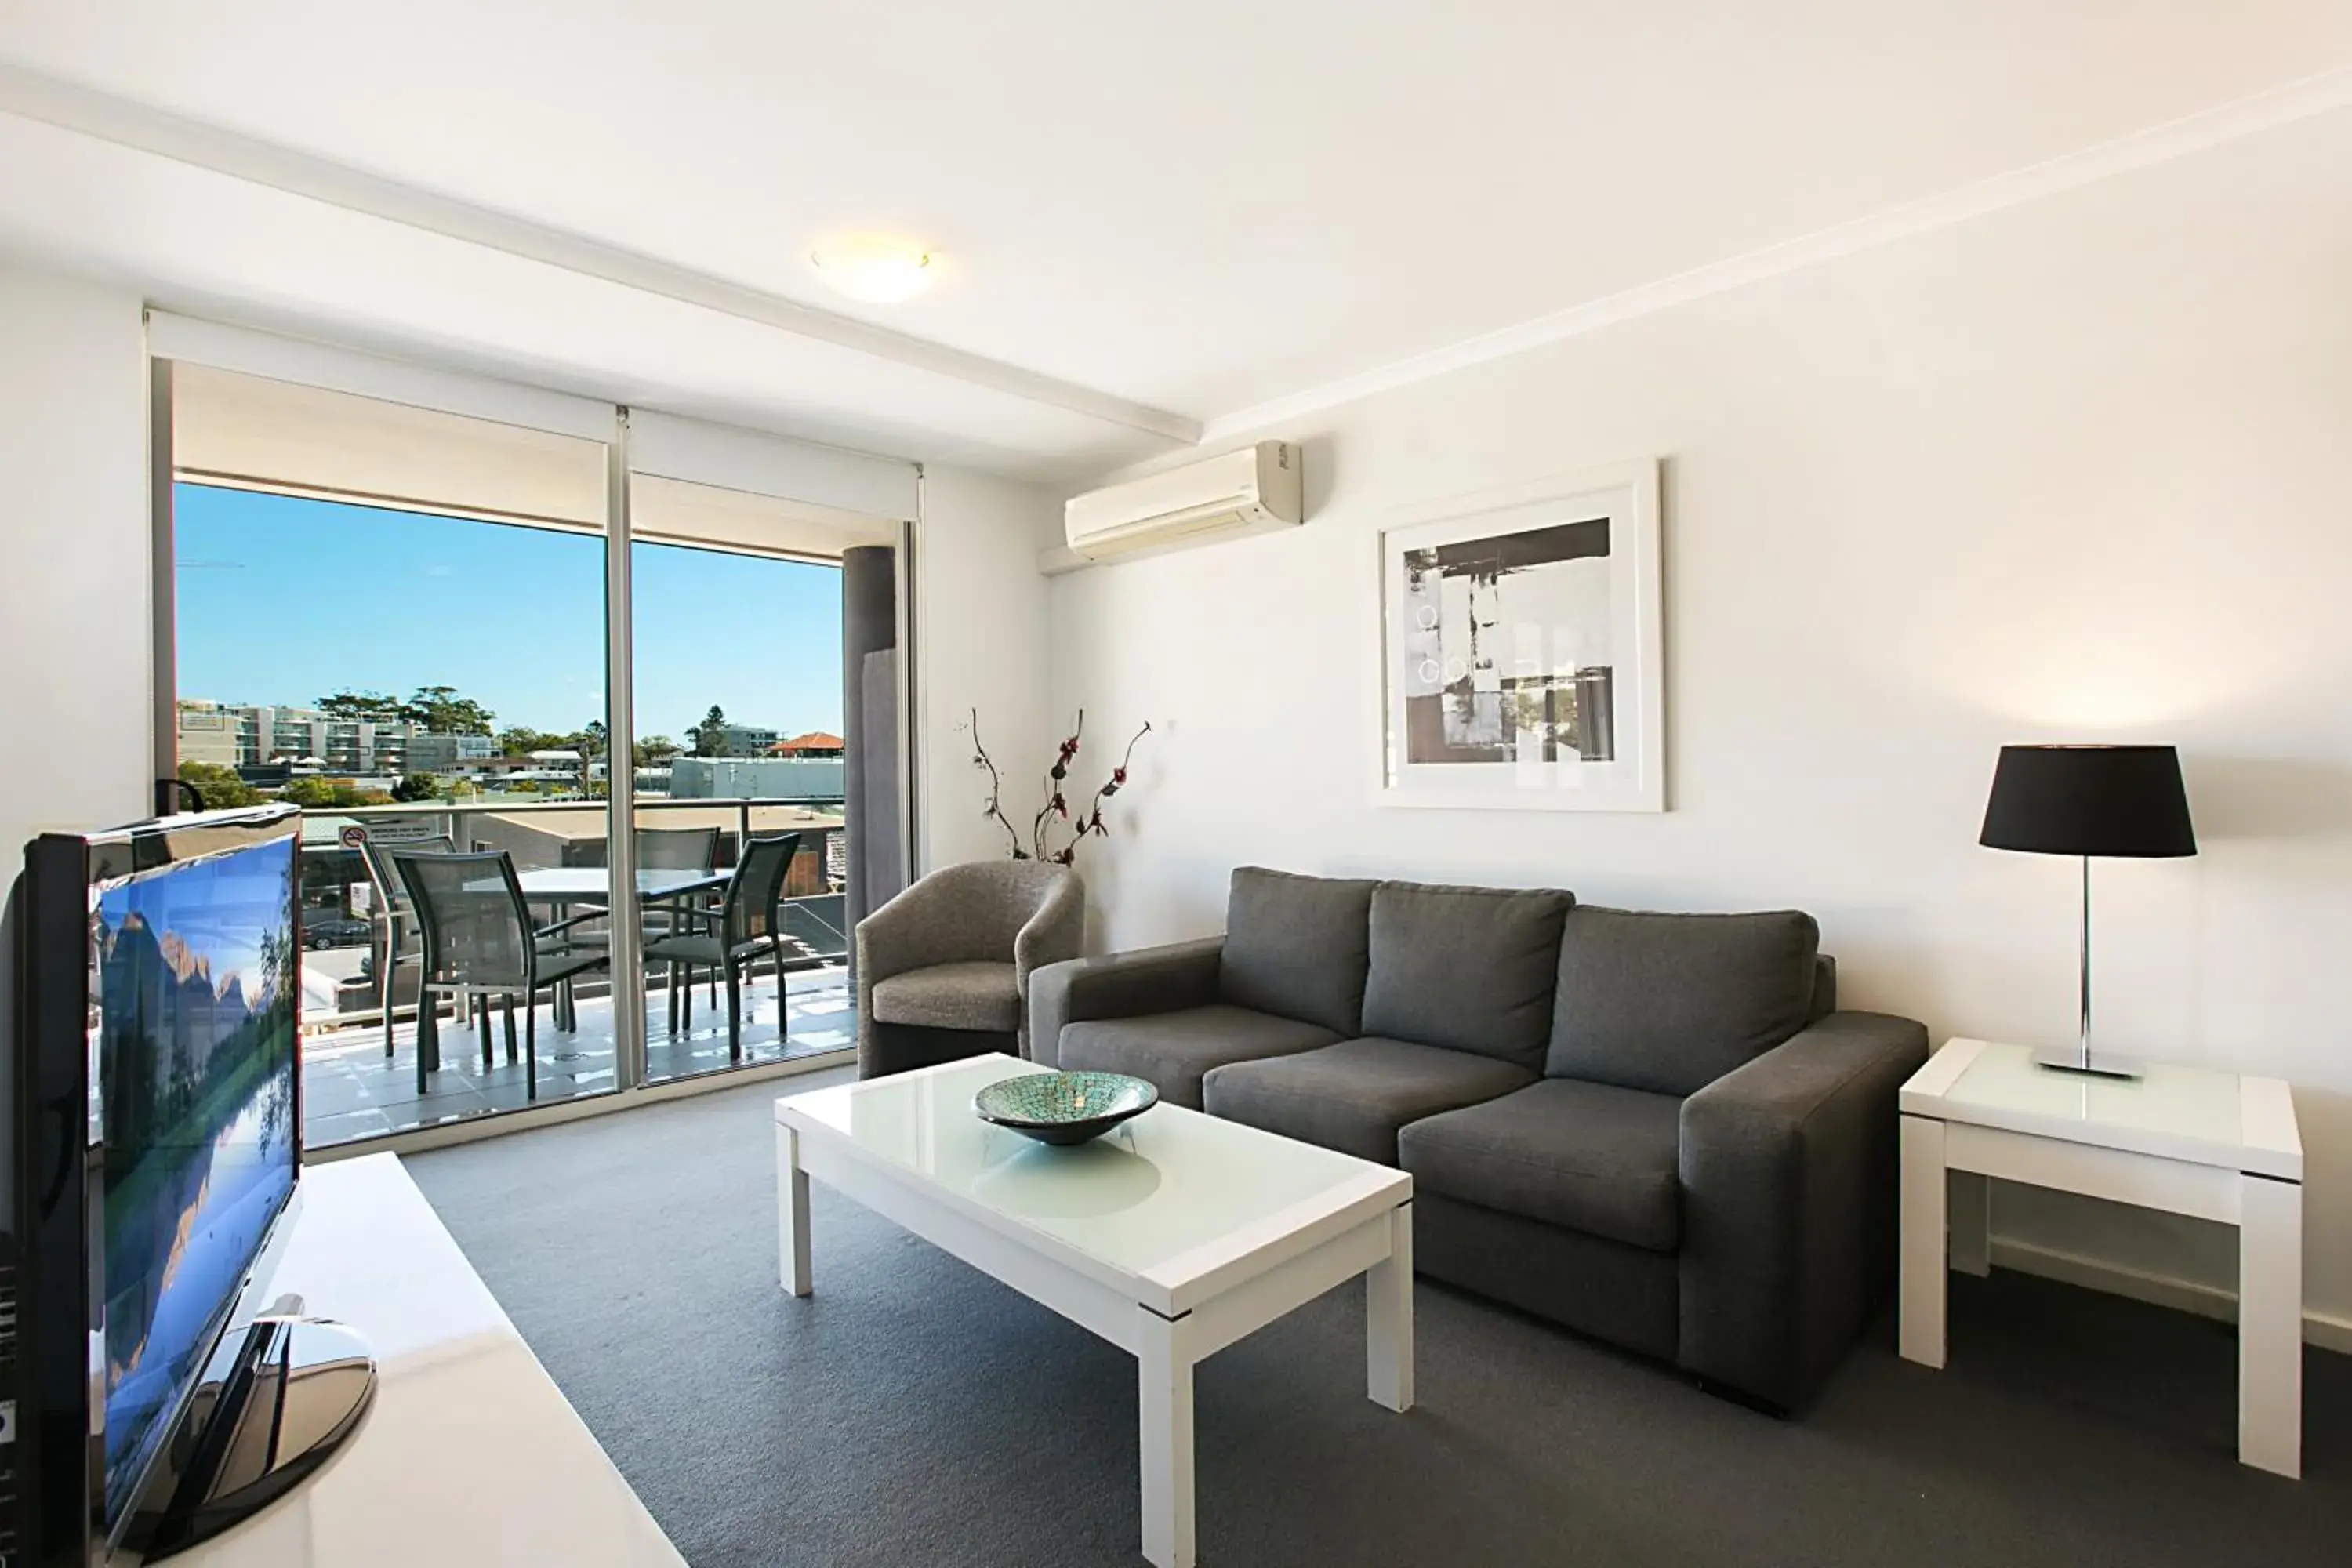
(943, 969)
(1656, 1129)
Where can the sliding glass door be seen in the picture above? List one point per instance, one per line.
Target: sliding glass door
(738, 689)
(395, 619)
(464, 645)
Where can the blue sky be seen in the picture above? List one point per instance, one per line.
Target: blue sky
(282, 601)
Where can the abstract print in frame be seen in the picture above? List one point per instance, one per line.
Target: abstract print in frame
(1520, 648)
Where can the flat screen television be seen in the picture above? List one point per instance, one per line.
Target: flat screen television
(157, 1144)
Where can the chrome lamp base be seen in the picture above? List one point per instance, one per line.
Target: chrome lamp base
(2078, 1058)
(2082, 1062)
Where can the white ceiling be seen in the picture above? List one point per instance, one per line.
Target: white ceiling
(1140, 211)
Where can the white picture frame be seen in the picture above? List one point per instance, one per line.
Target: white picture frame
(1522, 647)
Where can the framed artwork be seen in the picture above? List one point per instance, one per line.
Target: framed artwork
(1520, 648)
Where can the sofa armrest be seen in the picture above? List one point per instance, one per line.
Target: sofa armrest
(1788, 1172)
(1119, 986)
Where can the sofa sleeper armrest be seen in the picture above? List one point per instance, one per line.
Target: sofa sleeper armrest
(1119, 986)
(1788, 1168)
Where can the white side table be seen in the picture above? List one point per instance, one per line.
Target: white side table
(2183, 1140)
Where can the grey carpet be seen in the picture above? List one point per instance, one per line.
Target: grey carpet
(914, 1412)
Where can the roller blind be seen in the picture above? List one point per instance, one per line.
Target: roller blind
(754, 462)
(261, 409)
(241, 430)
(677, 511)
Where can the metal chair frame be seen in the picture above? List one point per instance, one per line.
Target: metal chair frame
(538, 973)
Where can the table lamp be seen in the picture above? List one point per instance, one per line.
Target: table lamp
(2120, 801)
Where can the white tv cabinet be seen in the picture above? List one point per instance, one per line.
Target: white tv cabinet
(470, 1455)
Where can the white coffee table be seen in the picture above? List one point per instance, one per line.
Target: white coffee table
(1171, 1237)
(2185, 1140)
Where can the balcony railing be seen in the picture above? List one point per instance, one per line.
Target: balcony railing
(342, 937)
(361, 1074)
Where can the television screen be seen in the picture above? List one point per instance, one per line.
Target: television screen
(195, 998)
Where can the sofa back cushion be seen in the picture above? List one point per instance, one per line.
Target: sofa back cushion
(1297, 947)
(1671, 1003)
(1471, 969)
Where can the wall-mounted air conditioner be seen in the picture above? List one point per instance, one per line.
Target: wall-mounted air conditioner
(1252, 491)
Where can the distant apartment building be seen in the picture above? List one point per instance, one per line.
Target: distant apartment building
(431, 753)
(744, 740)
(253, 736)
(814, 779)
(208, 733)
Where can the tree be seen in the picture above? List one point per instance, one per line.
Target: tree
(372, 707)
(220, 785)
(322, 794)
(592, 738)
(439, 711)
(310, 793)
(416, 788)
(522, 739)
(711, 735)
(653, 751)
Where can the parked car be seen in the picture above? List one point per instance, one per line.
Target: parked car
(324, 928)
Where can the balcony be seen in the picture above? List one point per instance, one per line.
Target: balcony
(352, 1088)
(360, 1077)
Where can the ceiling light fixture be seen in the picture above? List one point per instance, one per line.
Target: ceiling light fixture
(877, 272)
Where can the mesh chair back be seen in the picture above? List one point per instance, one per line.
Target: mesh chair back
(476, 928)
(758, 884)
(677, 848)
(377, 858)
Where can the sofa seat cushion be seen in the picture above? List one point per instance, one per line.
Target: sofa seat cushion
(1297, 947)
(973, 995)
(1671, 1003)
(1471, 969)
(1353, 1096)
(1588, 1156)
(1173, 1051)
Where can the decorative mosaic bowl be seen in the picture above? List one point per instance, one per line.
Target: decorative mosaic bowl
(1064, 1107)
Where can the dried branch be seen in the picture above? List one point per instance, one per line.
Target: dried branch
(1057, 806)
(1091, 821)
(995, 807)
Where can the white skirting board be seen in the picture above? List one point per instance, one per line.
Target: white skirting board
(2321, 1329)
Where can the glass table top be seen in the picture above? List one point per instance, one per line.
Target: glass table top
(2192, 1103)
(1139, 1199)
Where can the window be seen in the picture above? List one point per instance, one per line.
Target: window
(405, 620)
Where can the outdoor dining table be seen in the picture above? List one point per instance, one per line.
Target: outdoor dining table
(559, 888)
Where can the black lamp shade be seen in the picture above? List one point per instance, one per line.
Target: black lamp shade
(2122, 801)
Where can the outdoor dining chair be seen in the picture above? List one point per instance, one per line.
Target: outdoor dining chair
(394, 916)
(660, 850)
(745, 924)
(480, 944)
(674, 850)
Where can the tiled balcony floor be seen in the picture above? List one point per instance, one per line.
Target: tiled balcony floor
(352, 1089)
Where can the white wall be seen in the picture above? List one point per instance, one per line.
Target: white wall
(2080, 470)
(74, 616)
(981, 645)
(74, 557)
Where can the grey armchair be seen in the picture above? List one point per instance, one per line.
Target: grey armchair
(943, 969)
